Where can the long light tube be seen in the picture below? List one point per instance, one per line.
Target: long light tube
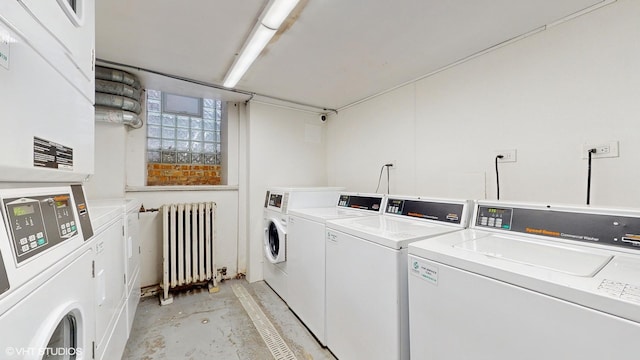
(278, 12)
(258, 40)
(269, 24)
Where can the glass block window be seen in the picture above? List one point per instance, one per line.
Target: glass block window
(182, 130)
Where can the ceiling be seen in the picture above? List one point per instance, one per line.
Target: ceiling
(329, 53)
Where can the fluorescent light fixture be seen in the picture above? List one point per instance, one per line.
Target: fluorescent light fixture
(258, 40)
(275, 14)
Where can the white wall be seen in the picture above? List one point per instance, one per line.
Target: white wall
(286, 148)
(120, 171)
(226, 230)
(266, 146)
(546, 95)
(109, 176)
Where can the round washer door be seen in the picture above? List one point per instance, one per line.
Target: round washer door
(274, 242)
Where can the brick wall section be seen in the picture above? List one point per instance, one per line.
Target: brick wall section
(175, 174)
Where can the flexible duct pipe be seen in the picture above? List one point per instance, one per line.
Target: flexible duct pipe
(104, 73)
(118, 102)
(116, 88)
(105, 114)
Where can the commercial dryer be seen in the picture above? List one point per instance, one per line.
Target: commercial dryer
(278, 202)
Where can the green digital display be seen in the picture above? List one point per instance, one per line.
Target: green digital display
(23, 210)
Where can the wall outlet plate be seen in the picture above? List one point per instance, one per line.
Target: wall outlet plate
(394, 166)
(604, 149)
(508, 155)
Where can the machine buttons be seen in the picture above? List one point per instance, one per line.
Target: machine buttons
(25, 248)
(39, 235)
(33, 245)
(23, 241)
(41, 241)
(32, 237)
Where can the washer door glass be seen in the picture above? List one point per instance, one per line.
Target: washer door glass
(274, 240)
(64, 340)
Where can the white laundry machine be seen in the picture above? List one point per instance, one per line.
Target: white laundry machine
(46, 278)
(277, 203)
(129, 211)
(366, 277)
(529, 282)
(306, 255)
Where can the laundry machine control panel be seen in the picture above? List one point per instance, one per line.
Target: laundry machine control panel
(371, 203)
(591, 225)
(37, 223)
(429, 210)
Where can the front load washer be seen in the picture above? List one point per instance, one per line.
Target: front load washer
(278, 201)
(529, 282)
(366, 278)
(46, 301)
(306, 255)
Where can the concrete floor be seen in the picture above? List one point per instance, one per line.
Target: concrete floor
(199, 325)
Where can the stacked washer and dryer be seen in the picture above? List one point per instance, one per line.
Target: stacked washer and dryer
(277, 204)
(529, 281)
(46, 253)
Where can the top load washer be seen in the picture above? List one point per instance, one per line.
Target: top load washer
(306, 255)
(366, 277)
(277, 203)
(529, 281)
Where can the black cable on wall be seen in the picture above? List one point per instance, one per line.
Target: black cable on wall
(498, 177)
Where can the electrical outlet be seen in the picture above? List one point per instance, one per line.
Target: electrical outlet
(605, 149)
(508, 155)
(393, 164)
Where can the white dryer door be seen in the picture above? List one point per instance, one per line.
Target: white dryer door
(275, 241)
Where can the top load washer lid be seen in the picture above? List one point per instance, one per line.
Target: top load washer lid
(571, 261)
(608, 281)
(324, 214)
(391, 232)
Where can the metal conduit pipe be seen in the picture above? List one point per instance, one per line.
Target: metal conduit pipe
(116, 116)
(104, 73)
(116, 88)
(118, 102)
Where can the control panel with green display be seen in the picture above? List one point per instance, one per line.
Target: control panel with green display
(39, 222)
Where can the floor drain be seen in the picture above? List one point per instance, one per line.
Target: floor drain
(270, 335)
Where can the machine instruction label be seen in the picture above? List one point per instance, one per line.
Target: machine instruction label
(51, 155)
(620, 290)
(424, 270)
